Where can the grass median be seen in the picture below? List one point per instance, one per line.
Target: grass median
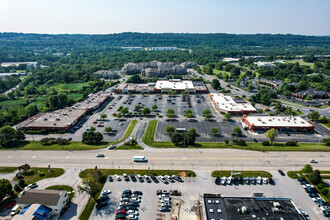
(106, 172)
(248, 173)
(36, 173)
(73, 145)
(148, 138)
(7, 169)
(128, 130)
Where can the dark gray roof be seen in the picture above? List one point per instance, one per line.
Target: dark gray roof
(42, 197)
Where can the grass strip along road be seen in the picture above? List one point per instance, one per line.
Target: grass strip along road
(36, 173)
(128, 130)
(254, 173)
(148, 138)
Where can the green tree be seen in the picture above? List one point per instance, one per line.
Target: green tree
(215, 84)
(10, 137)
(288, 111)
(227, 116)
(250, 87)
(154, 107)
(315, 177)
(92, 137)
(137, 107)
(146, 111)
(103, 116)
(206, 111)
(124, 111)
(169, 111)
(5, 188)
(307, 169)
(237, 131)
(176, 138)
(91, 186)
(170, 129)
(271, 135)
(208, 116)
(31, 110)
(214, 130)
(119, 115)
(108, 129)
(238, 82)
(189, 138)
(24, 167)
(189, 115)
(92, 129)
(192, 131)
(314, 116)
(309, 97)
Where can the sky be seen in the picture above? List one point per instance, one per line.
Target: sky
(305, 17)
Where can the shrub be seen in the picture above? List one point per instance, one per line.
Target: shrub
(234, 140)
(321, 185)
(324, 191)
(265, 143)
(42, 174)
(241, 142)
(48, 141)
(17, 188)
(326, 141)
(291, 143)
(226, 141)
(21, 183)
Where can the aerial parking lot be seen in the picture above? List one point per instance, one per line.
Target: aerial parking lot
(158, 200)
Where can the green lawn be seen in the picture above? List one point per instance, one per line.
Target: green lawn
(69, 189)
(12, 104)
(148, 136)
(74, 145)
(128, 130)
(107, 172)
(220, 72)
(129, 147)
(249, 173)
(301, 62)
(35, 174)
(326, 125)
(7, 169)
(69, 86)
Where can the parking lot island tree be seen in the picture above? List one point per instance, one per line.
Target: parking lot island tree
(154, 107)
(227, 116)
(237, 131)
(108, 129)
(315, 177)
(90, 186)
(214, 130)
(137, 108)
(170, 129)
(307, 169)
(271, 135)
(103, 116)
(146, 111)
(91, 137)
(5, 188)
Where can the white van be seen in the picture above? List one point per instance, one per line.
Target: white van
(140, 159)
(14, 210)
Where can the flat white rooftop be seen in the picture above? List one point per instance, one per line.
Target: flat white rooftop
(228, 104)
(277, 121)
(174, 84)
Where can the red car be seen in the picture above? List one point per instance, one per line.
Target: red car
(120, 211)
(11, 204)
(94, 122)
(100, 125)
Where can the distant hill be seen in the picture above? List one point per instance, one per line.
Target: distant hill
(221, 41)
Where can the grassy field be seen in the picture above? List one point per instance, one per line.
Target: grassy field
(69, 86)
(249, 173)
(69, 189)
(12, 104)
(220, 72)
(7, 169)
(74, 145)
(107, 172)
(128, 130)
(301, 62)
(148, 136)
(35, 174)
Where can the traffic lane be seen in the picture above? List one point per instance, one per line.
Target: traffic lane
(181, 158)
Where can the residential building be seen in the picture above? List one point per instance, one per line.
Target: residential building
(281, 123)
(312, 92)
(226, 104)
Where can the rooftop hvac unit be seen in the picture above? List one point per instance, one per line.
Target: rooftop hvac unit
(45, 119)
(259, 119)
(54, 123)
(57, 119)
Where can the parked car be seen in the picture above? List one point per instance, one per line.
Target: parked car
(11, 204)
(106, 192)
(164, 209)
(312, 195)
(281, 172)
(137, 193)
(110, 178)
(117, 177)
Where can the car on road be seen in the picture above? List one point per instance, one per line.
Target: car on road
(100, 155)
(281, 172)
(106, 192)
(112, 147)
(313, 161)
